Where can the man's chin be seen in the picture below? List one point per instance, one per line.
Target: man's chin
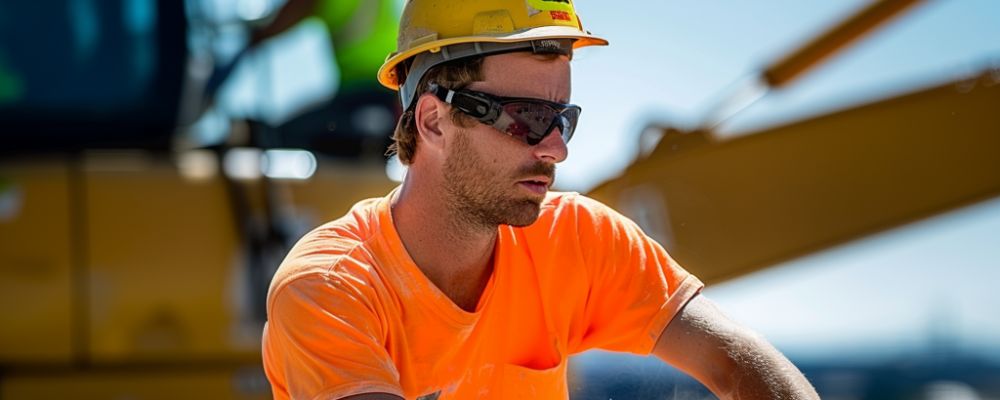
(524, 215)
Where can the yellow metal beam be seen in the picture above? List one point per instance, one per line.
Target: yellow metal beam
(724, 208)
(833, 40)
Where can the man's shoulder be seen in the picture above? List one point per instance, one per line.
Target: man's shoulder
(344, 233)
(561, 207)
(360, 223)
(337, 247)
(579, 216)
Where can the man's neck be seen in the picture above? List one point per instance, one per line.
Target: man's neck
(456, 256)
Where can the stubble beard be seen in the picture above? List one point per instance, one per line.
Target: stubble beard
(482, 197)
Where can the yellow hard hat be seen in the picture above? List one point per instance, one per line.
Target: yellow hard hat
(436, 31)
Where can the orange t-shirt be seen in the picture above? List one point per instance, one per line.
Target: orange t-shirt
(349, 311)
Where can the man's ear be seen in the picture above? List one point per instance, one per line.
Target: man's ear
(428, 114)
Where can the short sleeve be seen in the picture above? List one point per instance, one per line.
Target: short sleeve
(323, 340)
(636, 288)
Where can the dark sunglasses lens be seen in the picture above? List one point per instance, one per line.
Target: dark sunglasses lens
(529, 121)
(532, 122)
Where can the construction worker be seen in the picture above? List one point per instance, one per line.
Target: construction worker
(472, 280)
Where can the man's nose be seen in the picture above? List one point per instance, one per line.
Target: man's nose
(553, 148)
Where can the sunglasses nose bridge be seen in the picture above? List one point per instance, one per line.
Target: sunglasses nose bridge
(560, 123)
(551, 149)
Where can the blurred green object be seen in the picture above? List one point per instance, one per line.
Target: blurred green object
(11, 86)
(363, 33)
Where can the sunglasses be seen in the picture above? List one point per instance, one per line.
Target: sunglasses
(526, 119)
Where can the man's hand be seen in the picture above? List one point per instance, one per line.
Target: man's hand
(732, 361)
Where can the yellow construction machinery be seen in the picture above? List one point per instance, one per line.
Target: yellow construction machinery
(134, 261)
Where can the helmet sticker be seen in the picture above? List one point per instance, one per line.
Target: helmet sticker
(560, 15)
(565, 6)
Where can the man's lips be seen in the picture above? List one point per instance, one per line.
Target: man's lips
(538, 184)
(538, 180)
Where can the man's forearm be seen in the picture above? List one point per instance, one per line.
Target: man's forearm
(731, 360)
(759, 371)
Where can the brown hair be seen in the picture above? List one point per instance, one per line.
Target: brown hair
(455, 74)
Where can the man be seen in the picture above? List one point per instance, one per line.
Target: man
(471, 280)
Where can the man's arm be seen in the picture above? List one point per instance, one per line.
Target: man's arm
(732, 361)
